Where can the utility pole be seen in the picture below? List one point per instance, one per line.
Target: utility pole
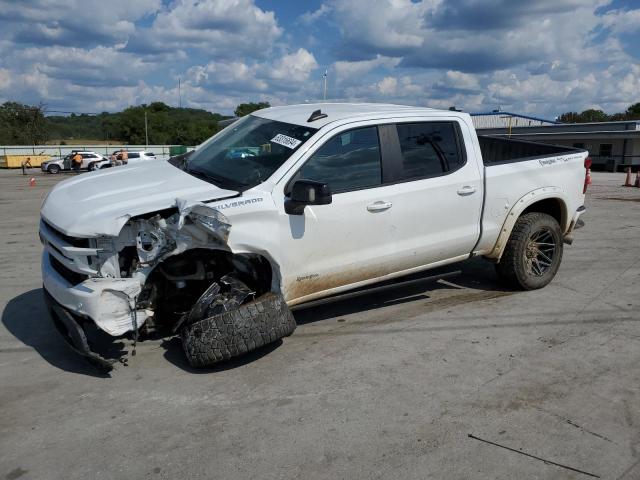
(324, 95)
(146, 129)
(179, 94)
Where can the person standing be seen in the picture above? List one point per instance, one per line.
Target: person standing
(124, 156)
(76, 162)
(26, 164)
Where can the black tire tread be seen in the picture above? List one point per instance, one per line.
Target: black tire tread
(510, 269)
(230, 334)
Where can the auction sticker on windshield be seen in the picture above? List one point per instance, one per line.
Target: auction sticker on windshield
(288, 142)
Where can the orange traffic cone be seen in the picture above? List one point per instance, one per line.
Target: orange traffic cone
(638, 179)
(627, 182)
(32, 182)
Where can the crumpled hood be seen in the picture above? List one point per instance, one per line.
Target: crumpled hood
(100, 203)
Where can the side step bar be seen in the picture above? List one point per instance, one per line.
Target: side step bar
(369, 290)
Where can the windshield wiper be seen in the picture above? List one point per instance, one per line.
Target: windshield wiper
(204, 176)
(180, 161)
(217, 181)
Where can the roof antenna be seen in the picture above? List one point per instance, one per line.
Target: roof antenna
(316, 115)
(324, 95)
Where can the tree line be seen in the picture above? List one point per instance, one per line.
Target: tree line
(593, 115)
(31, 125)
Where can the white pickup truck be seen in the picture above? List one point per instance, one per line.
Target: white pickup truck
(293, 204)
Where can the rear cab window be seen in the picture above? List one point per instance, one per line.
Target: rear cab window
(429, 149)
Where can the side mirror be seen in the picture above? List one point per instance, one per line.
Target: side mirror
(307, 192)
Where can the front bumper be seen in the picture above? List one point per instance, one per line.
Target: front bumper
(72, 331)
(108, 302)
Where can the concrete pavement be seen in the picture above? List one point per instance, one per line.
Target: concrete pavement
(385, 386)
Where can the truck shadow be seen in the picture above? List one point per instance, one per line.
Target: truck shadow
(174, 354)
(476, 274)
(27, 319)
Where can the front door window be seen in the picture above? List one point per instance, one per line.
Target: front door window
(349, 161)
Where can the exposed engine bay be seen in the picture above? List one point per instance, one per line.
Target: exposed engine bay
(200, 283)
(170, 268)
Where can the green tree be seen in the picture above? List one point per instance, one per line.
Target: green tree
(569, 117)
(22, 124)
(633, 112)
(246, 108)
(26, 125)
(592, 115)
(616, 117)
(166, 125)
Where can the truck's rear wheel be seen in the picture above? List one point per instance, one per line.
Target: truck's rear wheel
(236, 332)
(533, 252)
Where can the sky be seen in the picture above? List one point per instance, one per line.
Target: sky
(536, 57)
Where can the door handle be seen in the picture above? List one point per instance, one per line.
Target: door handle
(466, 190)
(379, 206)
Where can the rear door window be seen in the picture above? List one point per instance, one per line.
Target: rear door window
(429, 149)
(134, 155)
(348, 161)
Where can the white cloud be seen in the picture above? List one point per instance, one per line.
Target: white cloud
(622, 21)
(384, 25)
(388, 86)
(455, 79)
(309, 18)
(226, 28)
(541, 57)
(5, 79)
(234, 76)
(350, 72)
(294, 67)
(73, 22)
(287, 73)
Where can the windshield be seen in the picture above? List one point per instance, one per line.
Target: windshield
(247, 152)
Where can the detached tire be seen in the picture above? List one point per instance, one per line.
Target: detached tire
(234, 333)
(533, 252)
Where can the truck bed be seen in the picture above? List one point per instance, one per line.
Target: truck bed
(515, 168)
(498, 150)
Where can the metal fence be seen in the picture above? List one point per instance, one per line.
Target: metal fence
(161, 151)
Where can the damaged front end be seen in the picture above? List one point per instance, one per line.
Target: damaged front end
(164, 270)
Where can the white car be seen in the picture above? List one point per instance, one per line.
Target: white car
(294, 204)
(90, 161)
(134, 157)
(143, 156)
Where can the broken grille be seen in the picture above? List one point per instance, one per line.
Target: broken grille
(70, 276)
(74, 254)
